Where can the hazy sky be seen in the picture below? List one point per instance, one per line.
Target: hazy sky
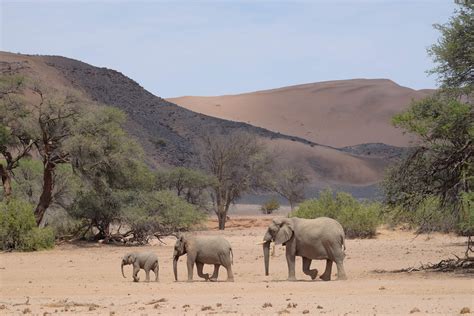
(176, 48)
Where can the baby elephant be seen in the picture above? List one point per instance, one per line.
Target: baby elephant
(203, 250)
(146, 261)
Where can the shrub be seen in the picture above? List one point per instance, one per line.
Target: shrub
(18, 228)
(158, 212)
(270, 206)
(359, 219)
(431, 215)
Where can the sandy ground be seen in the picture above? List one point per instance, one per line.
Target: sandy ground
(86, 279)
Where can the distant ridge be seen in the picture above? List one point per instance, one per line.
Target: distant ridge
(336, 113)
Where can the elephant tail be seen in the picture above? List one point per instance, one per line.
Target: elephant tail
(232, 256)
(343, 243)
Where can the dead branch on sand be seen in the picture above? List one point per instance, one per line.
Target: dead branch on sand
(465, 265)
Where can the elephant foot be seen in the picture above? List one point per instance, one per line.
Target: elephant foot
(292, 278)
(325, 277)
(213, 279)
(314, 274)
(136, 279)
(189, 280)
(342, 277)
(230, 280)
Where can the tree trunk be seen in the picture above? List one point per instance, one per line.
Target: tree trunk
(6, 182)
(47, 193)
(222, 218)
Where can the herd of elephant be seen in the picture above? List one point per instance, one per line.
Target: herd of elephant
(312, 239)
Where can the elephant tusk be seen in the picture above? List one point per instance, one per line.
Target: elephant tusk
(261, 243)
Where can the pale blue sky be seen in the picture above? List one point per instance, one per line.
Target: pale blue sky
(176, 48)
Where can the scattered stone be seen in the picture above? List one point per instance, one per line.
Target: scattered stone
(219, 304)
(465, 310)
(283, 311)
(92, 308)
(306, 311)
(382, 288)
(141, 308)
(206, 308)
(319, 307)
(291, 305)
(186, 306)
(156, 306)
(26, 311)
(415, 310)
(112, 313)
(3, 306)
(265, 305)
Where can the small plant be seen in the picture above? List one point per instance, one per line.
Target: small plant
(270, 206)
(18, 228)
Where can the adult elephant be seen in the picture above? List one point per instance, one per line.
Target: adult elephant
(312, 239)
(202, 250)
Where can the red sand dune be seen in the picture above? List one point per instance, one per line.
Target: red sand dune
(336, 113)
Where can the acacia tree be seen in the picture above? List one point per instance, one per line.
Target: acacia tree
(189, 184)
(55, 118)
(290, 183)
(239, 163)
(15, 139)
(442, 165)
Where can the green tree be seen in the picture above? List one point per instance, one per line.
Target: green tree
(15, 126)
(442, 165)
(454, 51)
(190, 184)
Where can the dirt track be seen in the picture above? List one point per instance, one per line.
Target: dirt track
(86, 280)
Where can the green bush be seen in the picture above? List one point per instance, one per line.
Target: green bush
(431, 215)
(270, 206)
(359, 219)
(157, 212)
(18, 228)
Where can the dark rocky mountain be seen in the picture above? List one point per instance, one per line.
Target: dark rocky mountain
(169, 133)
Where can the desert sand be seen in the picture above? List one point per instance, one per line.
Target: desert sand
(86, 279)
(335, 113)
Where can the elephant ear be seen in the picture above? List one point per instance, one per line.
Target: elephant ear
(285, 232)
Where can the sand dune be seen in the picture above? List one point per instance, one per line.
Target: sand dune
(336, 113)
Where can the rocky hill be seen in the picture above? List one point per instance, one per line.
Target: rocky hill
(169, 133)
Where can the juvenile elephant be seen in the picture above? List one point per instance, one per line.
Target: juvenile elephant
(146, 261)
(203, 250)
(312, 239)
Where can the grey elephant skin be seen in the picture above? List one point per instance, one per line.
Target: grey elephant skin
(202, 250)
(312, 239)
(146, 260)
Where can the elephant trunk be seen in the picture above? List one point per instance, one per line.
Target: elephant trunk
(122, 269)
(175, 267)
(266, 255)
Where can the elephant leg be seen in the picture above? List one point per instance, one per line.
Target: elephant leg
(290, 259)
(136, 269)
(306, 268)
(215, 274)
(157, 272)
(341, 274)
(147, 272)
(190, 265)
(326, 276)
(230, 274)
(200, 266)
